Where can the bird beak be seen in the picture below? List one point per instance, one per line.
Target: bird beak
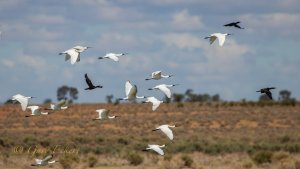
(150, 89)
(154, 129)
(100, 57)
(89, 47)
(229, 34)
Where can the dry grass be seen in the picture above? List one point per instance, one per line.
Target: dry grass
(213, 136)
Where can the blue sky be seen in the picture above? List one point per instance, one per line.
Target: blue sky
(162, 35)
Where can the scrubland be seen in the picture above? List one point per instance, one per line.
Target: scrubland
(208, 135)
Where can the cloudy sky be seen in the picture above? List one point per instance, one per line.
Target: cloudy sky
(162, 35)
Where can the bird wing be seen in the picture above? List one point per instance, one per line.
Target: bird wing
(167, 131)
(36, 111)
(103, 113)
(221, 38)
(133, 92)
(269, 88)
(165, 90)
(156, 74)
(38, 161)
(114, 58)
(269, 94)
(128, 87)
(158, 150)
(155, 103)
(23, 101)
(74, 55)
(88, 81)
(67, 57)
(46, 159)
(212, 39)
(238, 26)
(61, 103)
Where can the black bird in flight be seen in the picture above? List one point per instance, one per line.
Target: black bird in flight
(267, 91)
(90, 84)
(235, 24)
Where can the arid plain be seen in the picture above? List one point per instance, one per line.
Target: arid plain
(207, 136)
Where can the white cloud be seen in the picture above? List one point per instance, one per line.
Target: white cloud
(273, 23)
(47, 19)
(185, 21)
(8, 63)
(183, 40)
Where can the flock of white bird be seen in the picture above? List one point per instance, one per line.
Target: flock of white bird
(73, 54)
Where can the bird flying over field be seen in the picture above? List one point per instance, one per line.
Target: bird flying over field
(234, 24)
(164, 88)
(45, 161)
(158, 75)
(61, 105)
(166, 130)
(90, 84)
(156, 148)
(220, 36)
(155, 102)
(36, 111)
(131, 92)
(73, 54)
(23, 100)
(103, 114)
(267, 91)
(113, 56)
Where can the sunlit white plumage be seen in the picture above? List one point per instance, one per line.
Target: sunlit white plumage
(164, 88)
(103, 114)
(166, 130)
(59, 106)
(45, 161)
(36, 111)
(131, 92)
(220, 36)
(155, 102)
(23, 100)
(113, 56)
(158, 75)
(156, 148)
(73, 54)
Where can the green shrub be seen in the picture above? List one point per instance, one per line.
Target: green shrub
(30, 141)
(92, 161)
(134, 159)
(261, 157)
(67, 160)
(123, 141)
(188, 161)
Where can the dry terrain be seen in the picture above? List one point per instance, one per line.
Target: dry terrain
(222, 136)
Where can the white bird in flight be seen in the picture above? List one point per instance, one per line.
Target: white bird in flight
(220, 36)
(158, 75)
(156, 148)
(43, 162)
(73, 54)
(58, 106)
(155, 102)
(23, 100)
(131, 92)
(103, 114)
(164, 88)
(113, 56)
(166, 130)
(36, 111)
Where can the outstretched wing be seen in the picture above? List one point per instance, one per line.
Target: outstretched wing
(158, 150)
(167, 131)
(212, 39)
(128, 87)
(23, 101)
(165, 90)
(269, 94)
(74, 55)
(88, 80)
(221, 38)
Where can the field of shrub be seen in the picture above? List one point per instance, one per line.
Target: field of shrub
(208, 135)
